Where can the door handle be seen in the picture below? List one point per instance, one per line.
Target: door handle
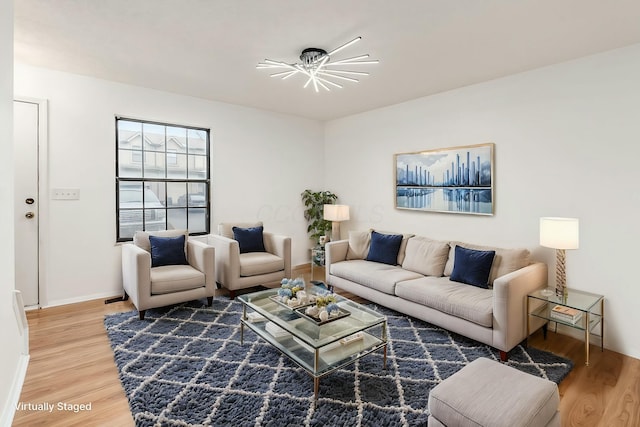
(30, 215)
(29, 201)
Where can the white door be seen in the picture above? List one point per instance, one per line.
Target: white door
(26, 131)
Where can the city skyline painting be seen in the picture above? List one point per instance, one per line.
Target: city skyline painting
(456, 180)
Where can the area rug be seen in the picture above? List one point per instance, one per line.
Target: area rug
(184, 365)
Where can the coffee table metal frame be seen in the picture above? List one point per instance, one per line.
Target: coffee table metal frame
(316, 348)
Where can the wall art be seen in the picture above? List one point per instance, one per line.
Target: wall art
(456, 180)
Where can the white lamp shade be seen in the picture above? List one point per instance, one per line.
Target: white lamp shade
(336, 212)
(559, 233)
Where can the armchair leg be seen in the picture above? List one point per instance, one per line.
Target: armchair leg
(209, 301)
(141, 314)
(232, 294)
(504, 356)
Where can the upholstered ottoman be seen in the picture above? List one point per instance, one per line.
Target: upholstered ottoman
(490, 394)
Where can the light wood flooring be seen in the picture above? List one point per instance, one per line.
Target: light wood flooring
(72, 362)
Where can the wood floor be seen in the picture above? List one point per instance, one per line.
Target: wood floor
(72, 363)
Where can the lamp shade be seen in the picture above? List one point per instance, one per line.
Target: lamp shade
(559, 233)
(336, 212)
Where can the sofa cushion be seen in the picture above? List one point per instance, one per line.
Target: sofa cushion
(173, 278)
(226, 228)
(440, 293)
(472, 267)
(384, 248)
(249, 239)
(378, 276)
(426, 256)
(403, 245)
(358, 244)
(167, 250)
(255, 263)
(505, 261)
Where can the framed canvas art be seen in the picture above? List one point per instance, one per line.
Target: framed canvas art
(455, 180)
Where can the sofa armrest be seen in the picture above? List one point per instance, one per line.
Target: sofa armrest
(335, 251)
(136, 273)
(201, 256)
(510, 304)
(227, 258)
(280, 246)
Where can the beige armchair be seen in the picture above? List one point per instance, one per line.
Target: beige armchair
(235, 270)
(151, 287)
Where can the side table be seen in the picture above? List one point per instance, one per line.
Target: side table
(590, 312)
(317, 259)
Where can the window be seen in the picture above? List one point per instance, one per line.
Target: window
(162, 178)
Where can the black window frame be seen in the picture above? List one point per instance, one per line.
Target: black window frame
(206, 181)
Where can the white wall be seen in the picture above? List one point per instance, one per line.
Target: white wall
(567, 144)
(11, 374)
(262, 161)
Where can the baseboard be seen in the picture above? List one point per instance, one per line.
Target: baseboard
(84, 298)
(14, 393)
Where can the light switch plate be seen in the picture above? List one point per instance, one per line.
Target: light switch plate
(65, 194)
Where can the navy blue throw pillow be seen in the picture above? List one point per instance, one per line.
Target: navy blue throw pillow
(167, 251)
(249, 239)
(472, 267)
(384, 248)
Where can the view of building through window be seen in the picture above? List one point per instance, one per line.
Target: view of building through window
(162, 178)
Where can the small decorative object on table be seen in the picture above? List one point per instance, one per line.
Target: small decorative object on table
(292, 293)
(325, 309)
(566, 314)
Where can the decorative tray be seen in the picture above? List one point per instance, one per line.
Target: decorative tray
(276, 299)
(341, 314)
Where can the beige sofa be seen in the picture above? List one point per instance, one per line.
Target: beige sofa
(420, 286)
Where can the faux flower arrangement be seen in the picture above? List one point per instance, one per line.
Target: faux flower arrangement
(325, 306)
(291, 291)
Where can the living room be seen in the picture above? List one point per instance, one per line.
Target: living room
(565, 138)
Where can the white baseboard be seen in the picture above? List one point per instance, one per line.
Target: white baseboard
(14, 393)
(84, 298)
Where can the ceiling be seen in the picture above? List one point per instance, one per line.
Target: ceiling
(209, 48)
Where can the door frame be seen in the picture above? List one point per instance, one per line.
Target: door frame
(43, 194)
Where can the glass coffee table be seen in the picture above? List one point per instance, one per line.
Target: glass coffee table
(318, 347)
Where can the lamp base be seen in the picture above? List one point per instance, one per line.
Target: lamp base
(561, 277)
(335, 231)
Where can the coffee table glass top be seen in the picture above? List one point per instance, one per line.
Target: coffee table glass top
(306, 330)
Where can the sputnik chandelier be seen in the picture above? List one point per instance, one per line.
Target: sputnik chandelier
(318, 68)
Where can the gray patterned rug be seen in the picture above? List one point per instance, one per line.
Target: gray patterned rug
(184, 365)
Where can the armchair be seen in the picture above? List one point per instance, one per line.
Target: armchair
(151, 287)
(236, 270)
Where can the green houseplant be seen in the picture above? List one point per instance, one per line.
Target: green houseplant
(314, 202)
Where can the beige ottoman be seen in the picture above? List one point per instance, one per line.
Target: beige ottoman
(490, 394)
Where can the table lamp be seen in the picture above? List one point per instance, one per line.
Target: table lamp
(560, 234)
(336, 214)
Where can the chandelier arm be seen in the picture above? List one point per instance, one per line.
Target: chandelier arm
(322, 84)
(320, 79)
(302, 70)
(262, 65)
(286, 74)
(339, 77)
(307, 83)
(353, 58)
(357, 39)
(355, 73)
(373, 61)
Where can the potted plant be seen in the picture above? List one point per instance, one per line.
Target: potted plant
(314, 202)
